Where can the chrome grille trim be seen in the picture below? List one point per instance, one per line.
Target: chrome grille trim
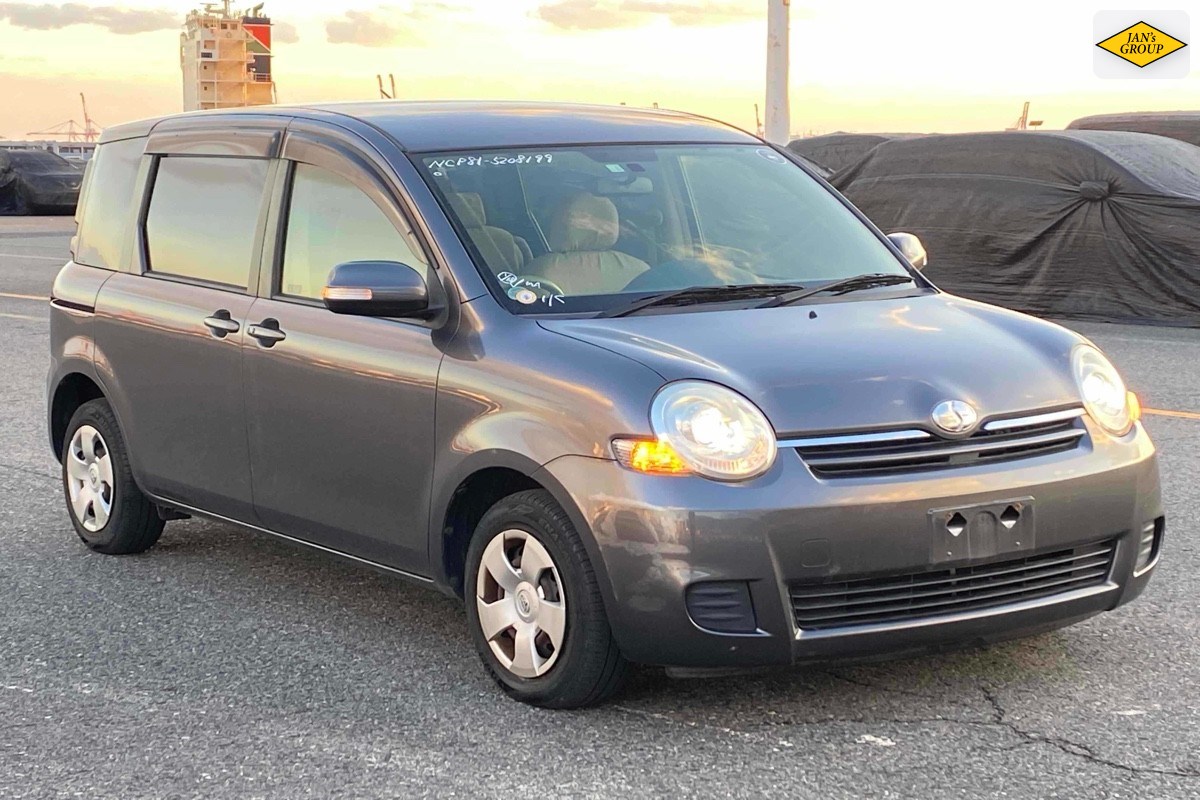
(912, 449)
(879, 460)
(856, 438)
(1036, 419)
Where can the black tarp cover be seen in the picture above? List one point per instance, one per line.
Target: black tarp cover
(836, 151)
(1181, 125)
(37, 181)
(1086, 224)
(820, 169)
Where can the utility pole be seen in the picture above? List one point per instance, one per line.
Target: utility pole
(779, 117)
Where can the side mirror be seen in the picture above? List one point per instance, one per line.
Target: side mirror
(912, 249)
(376, 289)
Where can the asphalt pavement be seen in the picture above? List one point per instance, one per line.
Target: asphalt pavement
(228, 664)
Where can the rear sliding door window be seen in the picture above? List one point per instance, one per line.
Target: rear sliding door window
(204, 216)
(108, 203)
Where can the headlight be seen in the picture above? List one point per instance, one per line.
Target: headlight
(712, 431)
(1103, 392)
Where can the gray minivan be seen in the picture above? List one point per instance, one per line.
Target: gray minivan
(636, 385)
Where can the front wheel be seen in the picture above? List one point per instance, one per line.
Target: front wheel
(20, 204)
(535, 609)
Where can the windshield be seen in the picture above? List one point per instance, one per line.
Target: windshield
(582, 229)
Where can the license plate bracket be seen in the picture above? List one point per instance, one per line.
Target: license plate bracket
(983, 530)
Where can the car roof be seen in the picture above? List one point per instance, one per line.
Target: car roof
(465, 125)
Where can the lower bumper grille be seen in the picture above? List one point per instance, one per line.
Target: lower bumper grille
(920, 595)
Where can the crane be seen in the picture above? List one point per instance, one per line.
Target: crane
(1024, 122)
(87, 132)
(383, 95)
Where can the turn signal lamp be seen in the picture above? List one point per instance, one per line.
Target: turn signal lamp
(346, 293)
(649, 455)
(1135, 407)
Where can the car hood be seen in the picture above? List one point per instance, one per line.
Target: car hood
(857, 364)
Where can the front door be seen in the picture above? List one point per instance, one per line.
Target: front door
(340, 408)
(169, 339)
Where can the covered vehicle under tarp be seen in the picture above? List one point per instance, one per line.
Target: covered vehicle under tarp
(836, 151)
(1181, 125)
(1087, 224)
(820, 169)
(37, 182)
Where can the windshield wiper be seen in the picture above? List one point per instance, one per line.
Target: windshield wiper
(840, 286)
(694, 295)
(777, 294)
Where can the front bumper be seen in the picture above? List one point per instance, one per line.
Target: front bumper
(655, 536)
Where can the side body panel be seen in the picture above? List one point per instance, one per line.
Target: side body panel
(177, 389)
(340, 413)
(340, 417)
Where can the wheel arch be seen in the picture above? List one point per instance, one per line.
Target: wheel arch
(72, 391)
(479, 484)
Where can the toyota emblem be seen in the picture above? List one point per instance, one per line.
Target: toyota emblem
(955, 416)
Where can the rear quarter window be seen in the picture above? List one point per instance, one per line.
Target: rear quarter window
(108, 204)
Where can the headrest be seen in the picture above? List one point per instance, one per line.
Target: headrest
(584, 222)
(469, 207)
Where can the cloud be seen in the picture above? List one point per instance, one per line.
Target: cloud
(47, 17)
(584, 15)
(284, 33)
(366, 28)
(710, 13)
(390, 26)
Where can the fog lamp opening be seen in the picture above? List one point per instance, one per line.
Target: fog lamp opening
(1149, 544)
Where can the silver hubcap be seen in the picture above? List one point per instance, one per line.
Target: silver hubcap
(90, 482)
(522, 608)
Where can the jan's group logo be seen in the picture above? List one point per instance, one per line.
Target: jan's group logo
(1141, 44)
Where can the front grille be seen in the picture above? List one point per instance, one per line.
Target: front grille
(920, 595)
(891, 452)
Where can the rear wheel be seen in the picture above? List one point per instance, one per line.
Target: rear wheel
(109, 512)
(535, 609)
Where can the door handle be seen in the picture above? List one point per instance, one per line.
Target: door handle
(220, 324)
(267, 332)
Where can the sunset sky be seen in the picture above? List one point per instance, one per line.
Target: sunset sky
(866, 66)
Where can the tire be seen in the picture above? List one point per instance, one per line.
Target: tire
(586, 667)
(21, 207)
(109, 512)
